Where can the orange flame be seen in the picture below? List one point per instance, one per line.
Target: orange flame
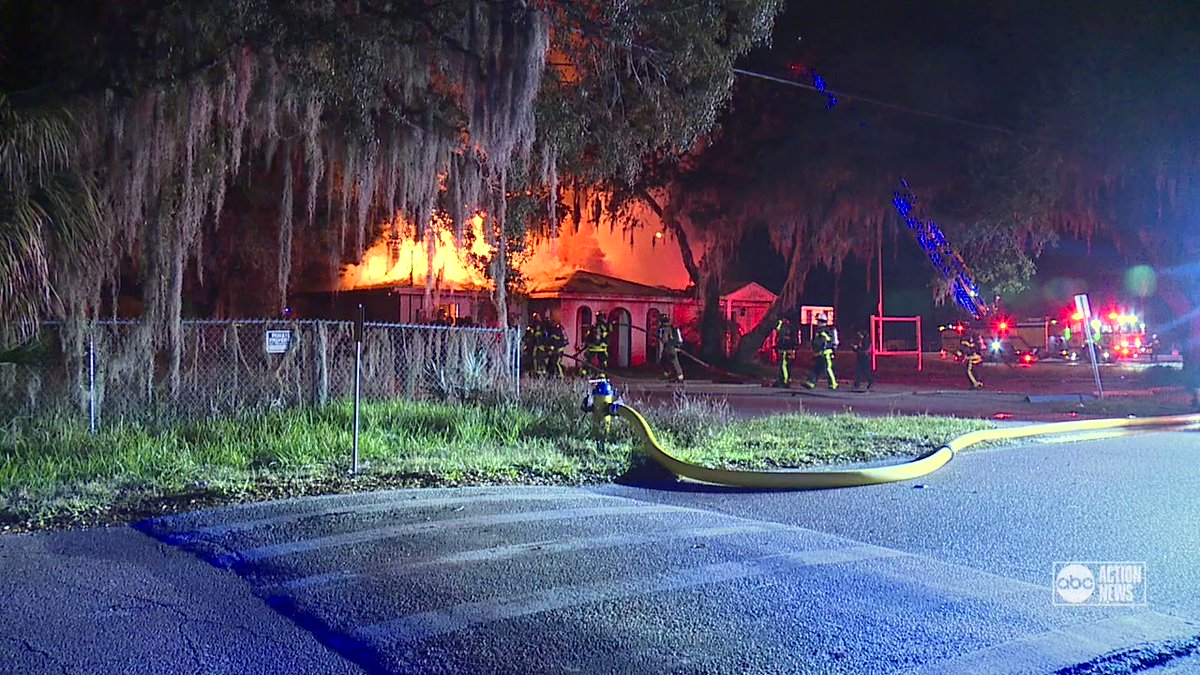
(642, 255)
(406, 262)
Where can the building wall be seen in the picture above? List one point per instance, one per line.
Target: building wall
(626, 348)
(638, 346)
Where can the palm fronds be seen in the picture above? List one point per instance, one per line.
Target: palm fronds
(49, 217)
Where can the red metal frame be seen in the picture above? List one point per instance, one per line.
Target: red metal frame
(877, 338)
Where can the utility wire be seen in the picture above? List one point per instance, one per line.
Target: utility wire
(882, 104)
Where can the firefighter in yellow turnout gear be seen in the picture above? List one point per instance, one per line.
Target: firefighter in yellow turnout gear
(533, 342)
(785, 349)
(824, 343)
(968, 351)
(556, 344)
(671, 340)
(595, 351)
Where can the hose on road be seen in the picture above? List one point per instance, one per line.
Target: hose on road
(926, 464)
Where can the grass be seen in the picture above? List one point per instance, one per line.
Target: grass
(53, 472)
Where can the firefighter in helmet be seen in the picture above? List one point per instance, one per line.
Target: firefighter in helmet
(556, 344)
(529, 340)
(785, 349)
(969, 351)
(864, 374)
(824, 342)
(595, 350)
(534, 341)
(671, 339)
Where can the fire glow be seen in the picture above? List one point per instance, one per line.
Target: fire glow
(407, 261)
(643, 256)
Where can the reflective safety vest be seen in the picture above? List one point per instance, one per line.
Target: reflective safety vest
(823, 342)
(597, 340)
(558, 339)
(968, 347)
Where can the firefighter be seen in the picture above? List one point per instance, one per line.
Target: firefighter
(556, 344)
(529, 341)
(595, 351)
(824, 343)
(969, 352)
(785, 349)
(671, 339)
(659, 336)
(863, 372)
(535, 338)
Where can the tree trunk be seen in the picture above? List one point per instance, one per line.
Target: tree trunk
(751, 341)
(797, 274)
(671, 221)
(712, 323)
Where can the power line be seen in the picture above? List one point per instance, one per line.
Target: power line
(882, 104)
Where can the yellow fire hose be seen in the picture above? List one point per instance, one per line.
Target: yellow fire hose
(603, 406)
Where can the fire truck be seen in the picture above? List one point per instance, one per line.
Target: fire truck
(1118, 334)
(1001, 339)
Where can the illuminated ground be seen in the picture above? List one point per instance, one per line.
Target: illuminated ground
(1045, 391)
(951, 573)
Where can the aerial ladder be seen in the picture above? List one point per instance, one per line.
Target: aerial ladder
(948, 263)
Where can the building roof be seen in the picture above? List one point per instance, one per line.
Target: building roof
(582, 282)
(747, 292)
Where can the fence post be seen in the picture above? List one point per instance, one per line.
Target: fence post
(514, 345)
(92, 378)
(358, 340)
(321, 358)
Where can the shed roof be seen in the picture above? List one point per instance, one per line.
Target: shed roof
(582, 282)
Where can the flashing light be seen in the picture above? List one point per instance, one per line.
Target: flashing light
(1027, 358)
(1114, 316)
(1003, 325)
(1096, 324)
(996, 345)
(1077, 316)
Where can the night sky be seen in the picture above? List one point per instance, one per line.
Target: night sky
(983, 62)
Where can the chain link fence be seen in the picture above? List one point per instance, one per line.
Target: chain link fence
(109, 371)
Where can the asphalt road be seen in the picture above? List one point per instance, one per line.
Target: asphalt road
(1049, 391)
(951, 574)
(115, 600)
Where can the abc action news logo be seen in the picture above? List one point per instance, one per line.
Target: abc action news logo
(1100, 583)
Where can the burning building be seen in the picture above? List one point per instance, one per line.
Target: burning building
(632, 276)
